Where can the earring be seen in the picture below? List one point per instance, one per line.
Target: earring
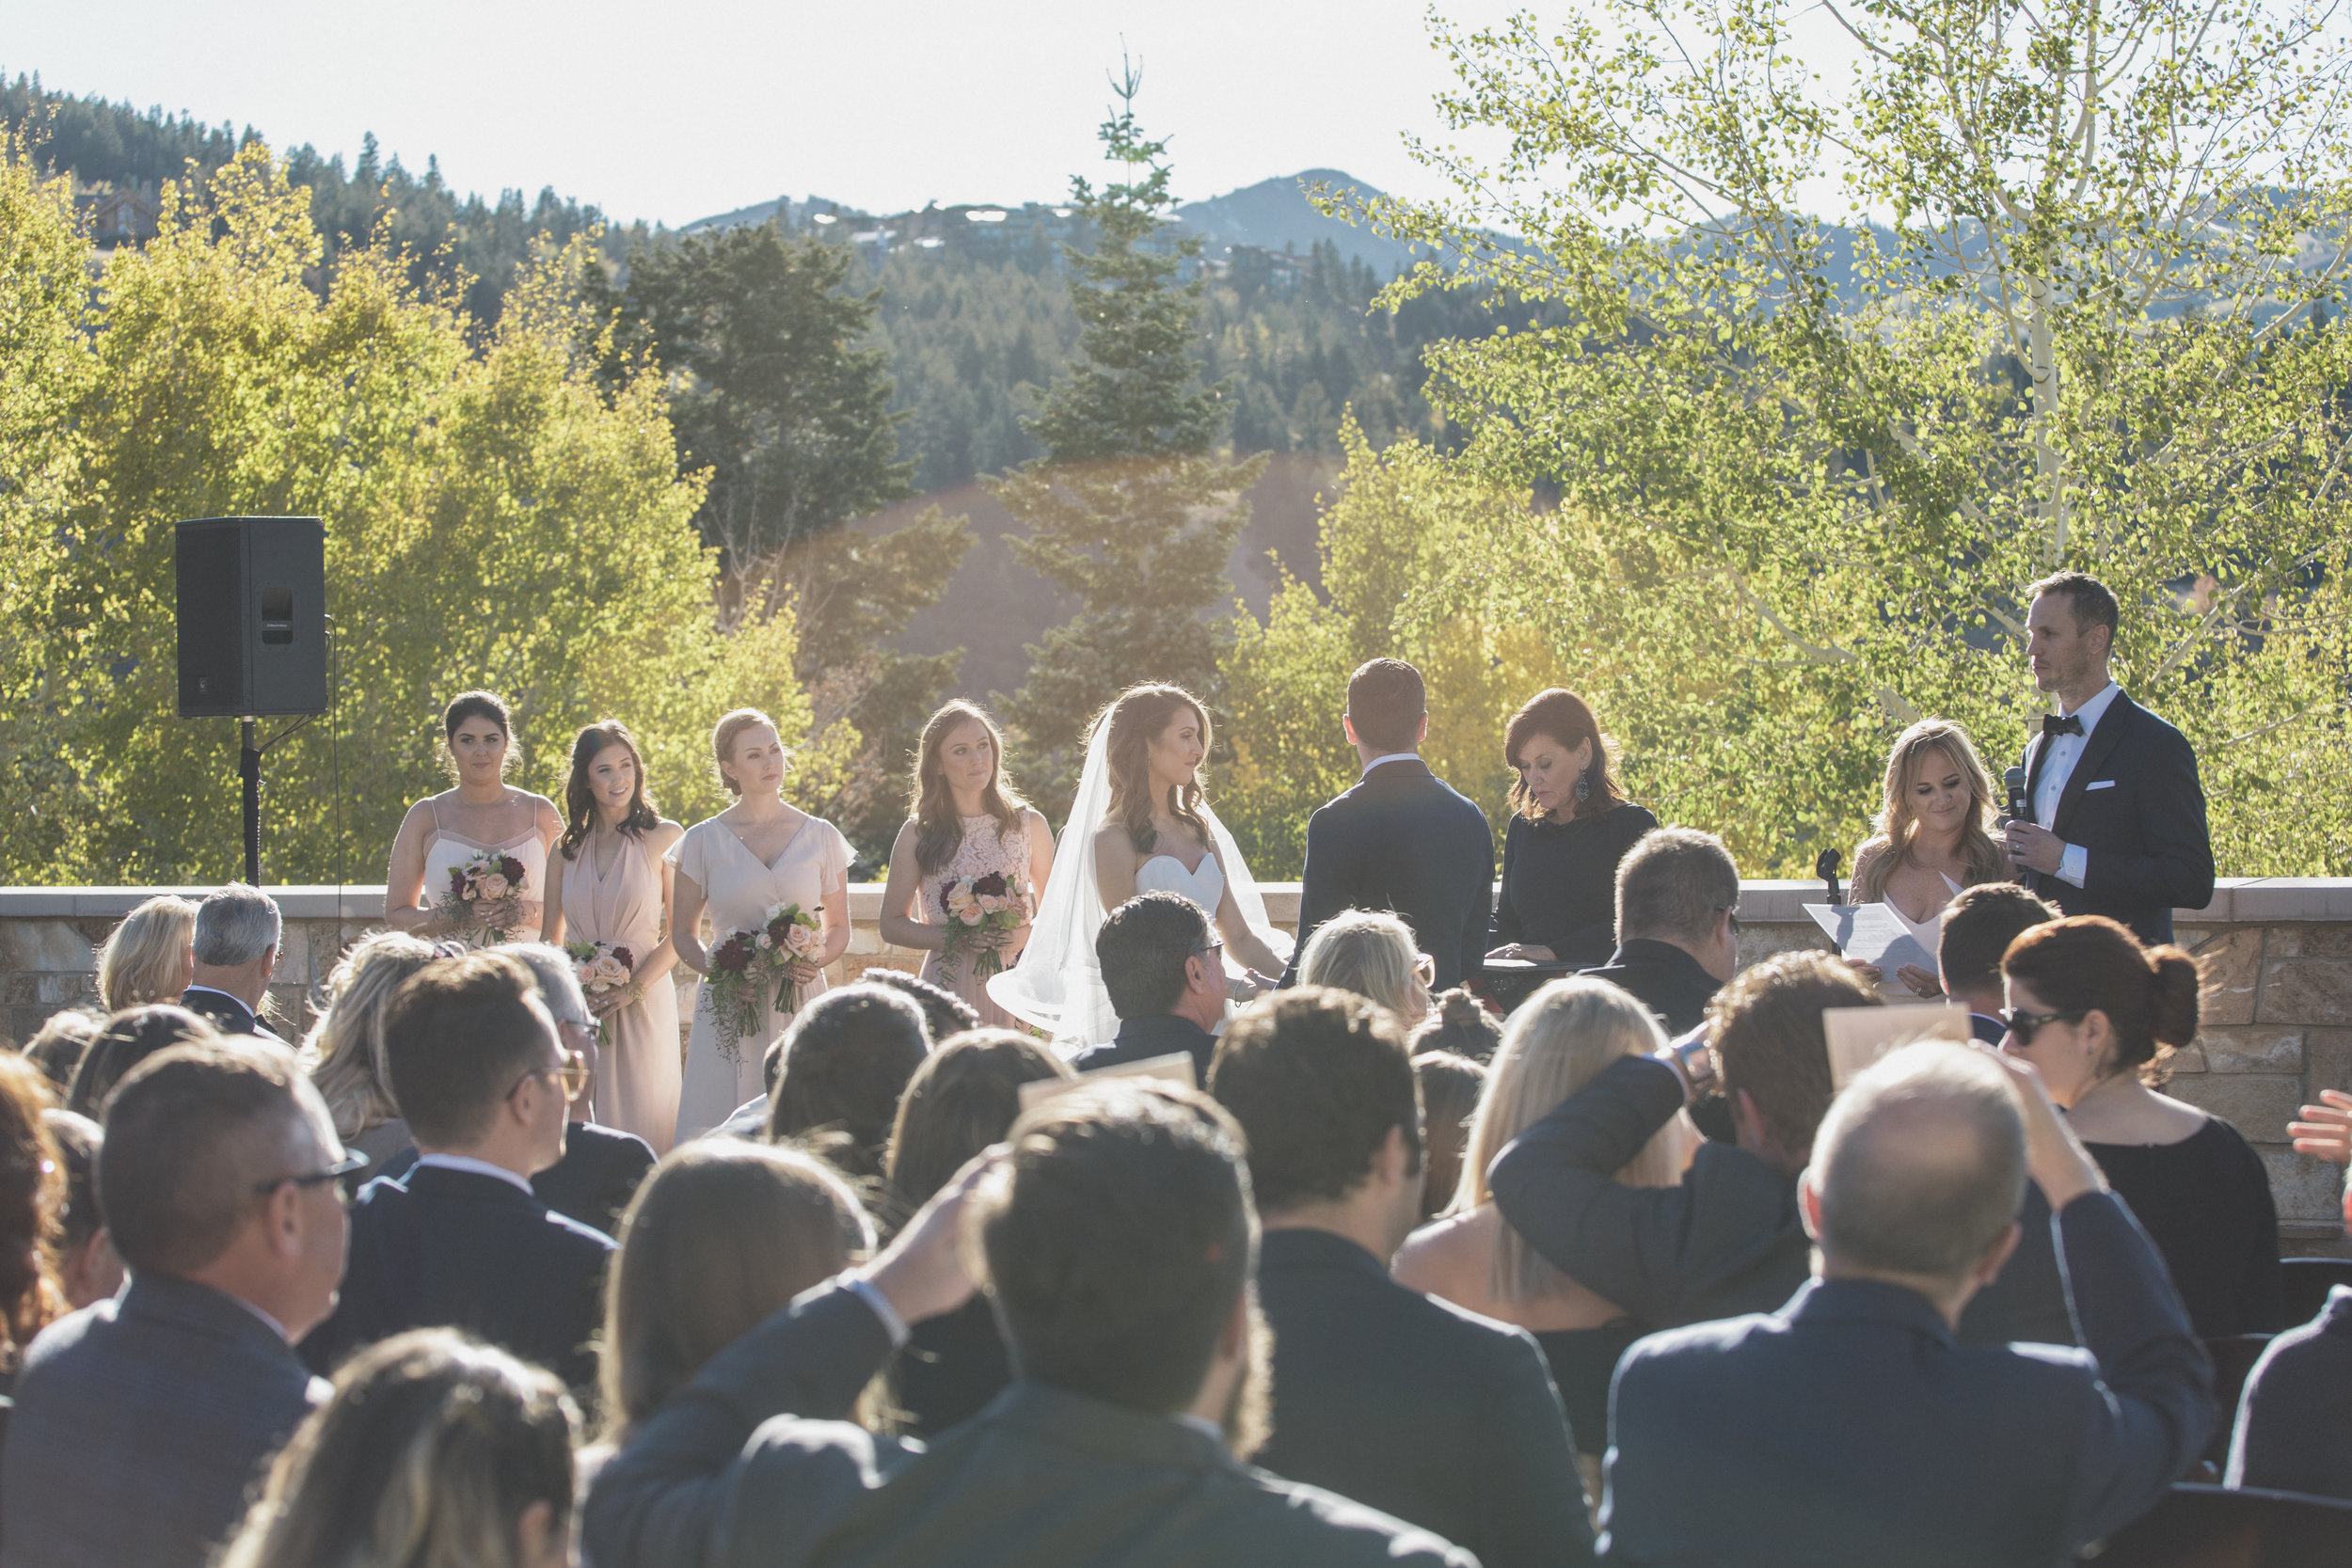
(1583, 786)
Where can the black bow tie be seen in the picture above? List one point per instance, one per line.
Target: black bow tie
(2052, 727)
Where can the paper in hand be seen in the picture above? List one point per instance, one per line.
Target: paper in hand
(1860, 1036)
(1870, 934)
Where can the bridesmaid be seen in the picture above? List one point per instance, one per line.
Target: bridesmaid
(758, 853)
(609, 882)
(482, 812)
(967, 821)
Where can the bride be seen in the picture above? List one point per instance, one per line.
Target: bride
(1139, 825)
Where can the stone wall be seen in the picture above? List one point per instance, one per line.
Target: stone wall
(2276, 953)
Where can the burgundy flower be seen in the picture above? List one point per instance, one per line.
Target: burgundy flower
(512, 869)
(733, 955)
(626, 959)
(990, 886)
(458, 881)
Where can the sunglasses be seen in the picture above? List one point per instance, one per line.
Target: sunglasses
(353, 1160)
(1731, 919)
(571, 1076)
(2022, 1025)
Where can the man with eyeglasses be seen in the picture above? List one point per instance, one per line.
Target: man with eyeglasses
(142, 1420)
(1164, 970)
(460, 1240)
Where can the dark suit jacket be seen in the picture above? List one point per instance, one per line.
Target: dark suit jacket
(2292, 1435)
(1663, 978)
(2143, 830)
(444, 1248)
(228, 1015)
(725, 1474)
(1415, 1407)
(1403, 840)
(139, 1424)
(1849, 1429)
(1139, 1039)
(598, 1176)
(1728, 1239)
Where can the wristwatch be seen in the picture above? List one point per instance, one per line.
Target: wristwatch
(1697, 1064)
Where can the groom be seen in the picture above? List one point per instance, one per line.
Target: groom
(1400, 840)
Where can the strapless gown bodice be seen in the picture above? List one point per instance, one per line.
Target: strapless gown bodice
(445, 852)
(1204, 885)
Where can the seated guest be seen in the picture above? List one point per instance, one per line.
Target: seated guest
(1678, 925)
(1370, 953)
(217, 1180)
(847, 1059)
(1450, 1086)
(1570, 828)
(32, 1205)
(962, 1100)
(1558, 1042)
(434, 1451)
(124, 1041)
(1978, 925)
(601, 1165)
(345, 1047)
(1459, 1023)
(1932, 840)
(87, 1268)
(944, 1013)
(57, 1046)
(461, 1240)
(1119, 1241)
(151, 956)
(2292, 1432)
(1164, 970)
(1406, 1403)
(237, 948)
(2095, 1013)
(724, 1234)
(1848, 1428)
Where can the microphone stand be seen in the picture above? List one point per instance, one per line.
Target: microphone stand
(1826, 868)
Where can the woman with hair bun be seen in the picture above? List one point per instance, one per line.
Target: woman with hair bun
(2096, 1013)
(481, 817)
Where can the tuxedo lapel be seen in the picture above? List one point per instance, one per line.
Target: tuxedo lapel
(2036, 749)
(2098, 747)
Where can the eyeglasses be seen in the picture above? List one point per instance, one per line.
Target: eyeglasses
(2023, 1025)
(1215, 948)
(352, 1161)
(570, 1074)
(1426, 968)
(1731, 919)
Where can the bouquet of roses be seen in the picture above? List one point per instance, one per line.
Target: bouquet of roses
(477, 884)
(739, 986)
(792, 935)
(605, 969)
(980, 907)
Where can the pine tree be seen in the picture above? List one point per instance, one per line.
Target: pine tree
(1129, 508)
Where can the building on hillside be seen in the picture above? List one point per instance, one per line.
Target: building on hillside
(118, 217)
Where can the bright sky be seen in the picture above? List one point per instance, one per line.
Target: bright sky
(678, 110)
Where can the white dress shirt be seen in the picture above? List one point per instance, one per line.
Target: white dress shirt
(472, 1166)
(2058, 755)
(1386, 756)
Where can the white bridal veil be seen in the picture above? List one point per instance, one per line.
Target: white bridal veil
(1058, 986)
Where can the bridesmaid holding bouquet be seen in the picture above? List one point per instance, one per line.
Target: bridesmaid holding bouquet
(608, 888)
(471, 862)
(746, 867)
(968, 824)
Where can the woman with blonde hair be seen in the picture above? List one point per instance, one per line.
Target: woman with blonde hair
(344, 1049)
(1557, 1043)
(1370, 952)
(151, 956)
(1933, 839)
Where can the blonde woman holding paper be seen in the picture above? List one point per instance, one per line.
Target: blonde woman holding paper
(1933, 839)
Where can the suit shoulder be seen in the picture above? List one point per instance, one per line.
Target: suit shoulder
(1488, 1339)
(1675, 1349)
(1315, 1528)
(575, 1237)
(2154, 728)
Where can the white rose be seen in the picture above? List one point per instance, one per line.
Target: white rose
(493, 886)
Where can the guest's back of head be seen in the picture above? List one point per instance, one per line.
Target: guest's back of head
(87, 1269)
(1978, 925)
(1920, 1167)
(345, 1047)
(235, 927)
(457, 1036)
(1118, 1238)
(944, 1013)
(124, 1041)
(434, 1452)
(963, 1098)
(1459, 1022)
(1317, 1080)
(32, 1200)
(1141, 948)
(1765, 1032)
(150, 957)
(1672, 884)
(847, 1059)
(1450, 1087)
(722, 1234)
(60, 1044)
(1371, 953)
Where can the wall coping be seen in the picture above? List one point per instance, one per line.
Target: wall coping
(2236, 900)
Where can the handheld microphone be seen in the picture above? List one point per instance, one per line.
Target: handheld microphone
(2020, 809)
(1826, 868)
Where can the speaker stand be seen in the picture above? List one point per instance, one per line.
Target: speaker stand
(249, 768)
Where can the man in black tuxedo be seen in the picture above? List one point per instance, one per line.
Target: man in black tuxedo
(1404, 1402)
(1678, 925)
(461, 1240)
(1402, 839)
(2119, 817)
(1851, 1427)
(1161, 965)
(237, 931)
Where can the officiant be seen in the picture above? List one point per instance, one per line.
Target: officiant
(2118, 824)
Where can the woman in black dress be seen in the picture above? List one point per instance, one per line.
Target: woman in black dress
(1570, 825)
(2095, 1013)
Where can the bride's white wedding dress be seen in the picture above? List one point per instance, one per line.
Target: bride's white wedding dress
(1058, 986)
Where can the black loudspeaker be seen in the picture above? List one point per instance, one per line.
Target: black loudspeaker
(252, 617)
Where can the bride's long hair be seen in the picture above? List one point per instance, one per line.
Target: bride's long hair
(934, 805)
(1137, 716)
